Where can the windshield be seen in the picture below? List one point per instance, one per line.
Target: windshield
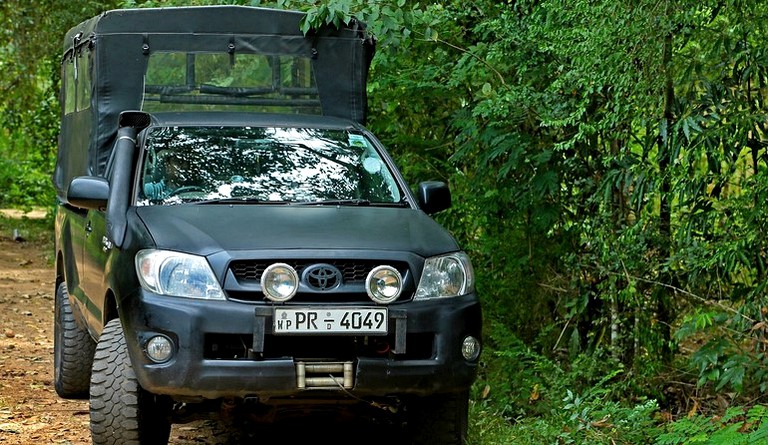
(272, 165)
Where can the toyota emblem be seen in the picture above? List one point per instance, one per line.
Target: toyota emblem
(322, 277)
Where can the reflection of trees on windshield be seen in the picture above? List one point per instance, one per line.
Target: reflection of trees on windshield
(267, 164)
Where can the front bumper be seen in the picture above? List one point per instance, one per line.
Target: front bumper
(420, 356)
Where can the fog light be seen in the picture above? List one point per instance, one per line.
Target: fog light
(384, 284)
(159, 349)
(470, 348)
(279, 282)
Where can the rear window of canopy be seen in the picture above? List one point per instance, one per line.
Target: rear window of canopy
(184, 81)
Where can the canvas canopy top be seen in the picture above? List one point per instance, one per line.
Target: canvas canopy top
(205, 58)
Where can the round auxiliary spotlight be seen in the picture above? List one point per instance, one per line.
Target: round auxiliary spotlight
(384, 284)
(279, 282)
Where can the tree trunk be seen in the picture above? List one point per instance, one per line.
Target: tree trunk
(664, 311)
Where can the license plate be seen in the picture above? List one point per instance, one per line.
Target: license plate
(330, 321)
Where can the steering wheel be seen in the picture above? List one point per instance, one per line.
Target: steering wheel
(186, 189)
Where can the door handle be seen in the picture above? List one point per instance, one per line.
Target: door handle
(106, 244)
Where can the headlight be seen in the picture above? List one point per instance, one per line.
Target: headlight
(279, 282)
(177, 274)
(384, 284)
(446, 276)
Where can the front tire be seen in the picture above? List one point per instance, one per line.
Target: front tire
(122, 412)
(73, 350)
(439, 419)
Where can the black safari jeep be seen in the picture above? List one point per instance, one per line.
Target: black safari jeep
(229, 236)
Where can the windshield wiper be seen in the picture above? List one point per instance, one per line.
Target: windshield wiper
(352, 202)
(330, 202)
(336, 202)
(239, 200)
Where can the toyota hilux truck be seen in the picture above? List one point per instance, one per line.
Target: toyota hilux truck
(230, 237)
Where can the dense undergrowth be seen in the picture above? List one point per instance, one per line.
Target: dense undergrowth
(525, 398)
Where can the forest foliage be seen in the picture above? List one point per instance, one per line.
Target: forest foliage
(608, 162)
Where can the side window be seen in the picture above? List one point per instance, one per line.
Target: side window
(69, 85)
(83, 80)
(77, 82)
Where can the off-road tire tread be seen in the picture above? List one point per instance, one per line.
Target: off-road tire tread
(73, 350)
(122, 413)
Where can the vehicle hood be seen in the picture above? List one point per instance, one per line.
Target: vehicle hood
(208, 229)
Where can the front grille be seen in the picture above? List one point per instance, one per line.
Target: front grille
(353, 271)
(351, 289)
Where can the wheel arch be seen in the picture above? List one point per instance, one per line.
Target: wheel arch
(110, 307)
(60, 275)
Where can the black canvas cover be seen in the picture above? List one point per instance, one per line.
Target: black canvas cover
(110, 54)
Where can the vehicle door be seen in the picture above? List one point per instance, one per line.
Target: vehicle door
(97, 248)
(93, 276)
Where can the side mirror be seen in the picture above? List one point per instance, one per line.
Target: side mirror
(88, 192)
(434, 196)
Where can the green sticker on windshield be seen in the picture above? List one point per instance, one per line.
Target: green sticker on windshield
(357, 140)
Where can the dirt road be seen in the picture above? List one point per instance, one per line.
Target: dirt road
(30, 410)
